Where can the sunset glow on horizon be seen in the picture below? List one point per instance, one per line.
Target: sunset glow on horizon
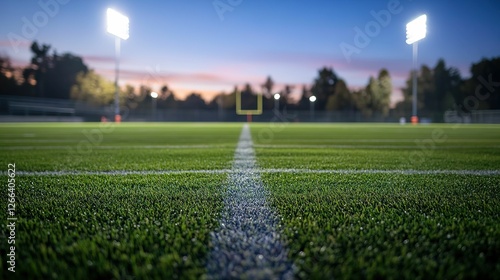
(198, 48)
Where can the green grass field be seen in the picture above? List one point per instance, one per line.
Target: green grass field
(139, 200)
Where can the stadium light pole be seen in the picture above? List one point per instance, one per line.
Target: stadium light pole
(154, 95)
(117, 25)
(276, 102)
(312, 99)
(416, 30)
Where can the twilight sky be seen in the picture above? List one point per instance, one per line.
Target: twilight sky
(192, 46)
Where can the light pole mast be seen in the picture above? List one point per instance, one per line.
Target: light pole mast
(416, 30)
(312, 99)
(117, 74)
(276, 103)
(118, 25)
(414, 84)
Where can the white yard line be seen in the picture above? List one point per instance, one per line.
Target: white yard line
(381, 171)
(385, 147)
(247, 245)
(13, 141)
(75, 145)
(236, 170)
(101, 147)
(385, 140)
(120, 172)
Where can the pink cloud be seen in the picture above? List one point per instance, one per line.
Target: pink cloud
(98, 59)
(22, 44)
(20, 63)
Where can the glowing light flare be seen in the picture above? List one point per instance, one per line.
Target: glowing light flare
(154, 94)
(312, 98)
(117, 24)
(416, 29)
(276, 96)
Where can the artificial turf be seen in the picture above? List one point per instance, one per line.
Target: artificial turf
(363, 225)
(388, 225)
(111, 147)
(115, 227)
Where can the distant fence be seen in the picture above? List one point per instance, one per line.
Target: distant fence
(485, 116)
(14, 109)
(267, 116)
(482, 116)
(36, 106)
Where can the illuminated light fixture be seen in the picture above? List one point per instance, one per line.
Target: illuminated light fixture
(118, 24)
(276, 102)
(416, 29)
(312, 99)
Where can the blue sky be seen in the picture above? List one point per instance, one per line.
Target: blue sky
(187, 45)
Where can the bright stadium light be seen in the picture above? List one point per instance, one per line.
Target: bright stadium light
(117, 25)
(154, 96)
(312, 99)
(416, 30)
(276, 102)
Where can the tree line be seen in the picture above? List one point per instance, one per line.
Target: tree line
(440, 88)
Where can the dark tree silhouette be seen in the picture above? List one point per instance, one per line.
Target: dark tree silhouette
(249, 98)
(194, 101)
(303, 103)
(38, 68)
(342, 100)
(447, 82)
(169, 102)
(267, 87)
(164, 92)
(8, 83)
(324, 87)
(286, 94)
(483, 87)
(52, 76)
(438, 90)
(61, 76)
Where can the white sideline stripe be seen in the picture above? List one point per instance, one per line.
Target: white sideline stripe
(120, 172)
(247, 245)
(37, 141)
(89, 145)
(381, 171)
(408, 147)
(99, 147)
(269, 170)
(391, 140)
